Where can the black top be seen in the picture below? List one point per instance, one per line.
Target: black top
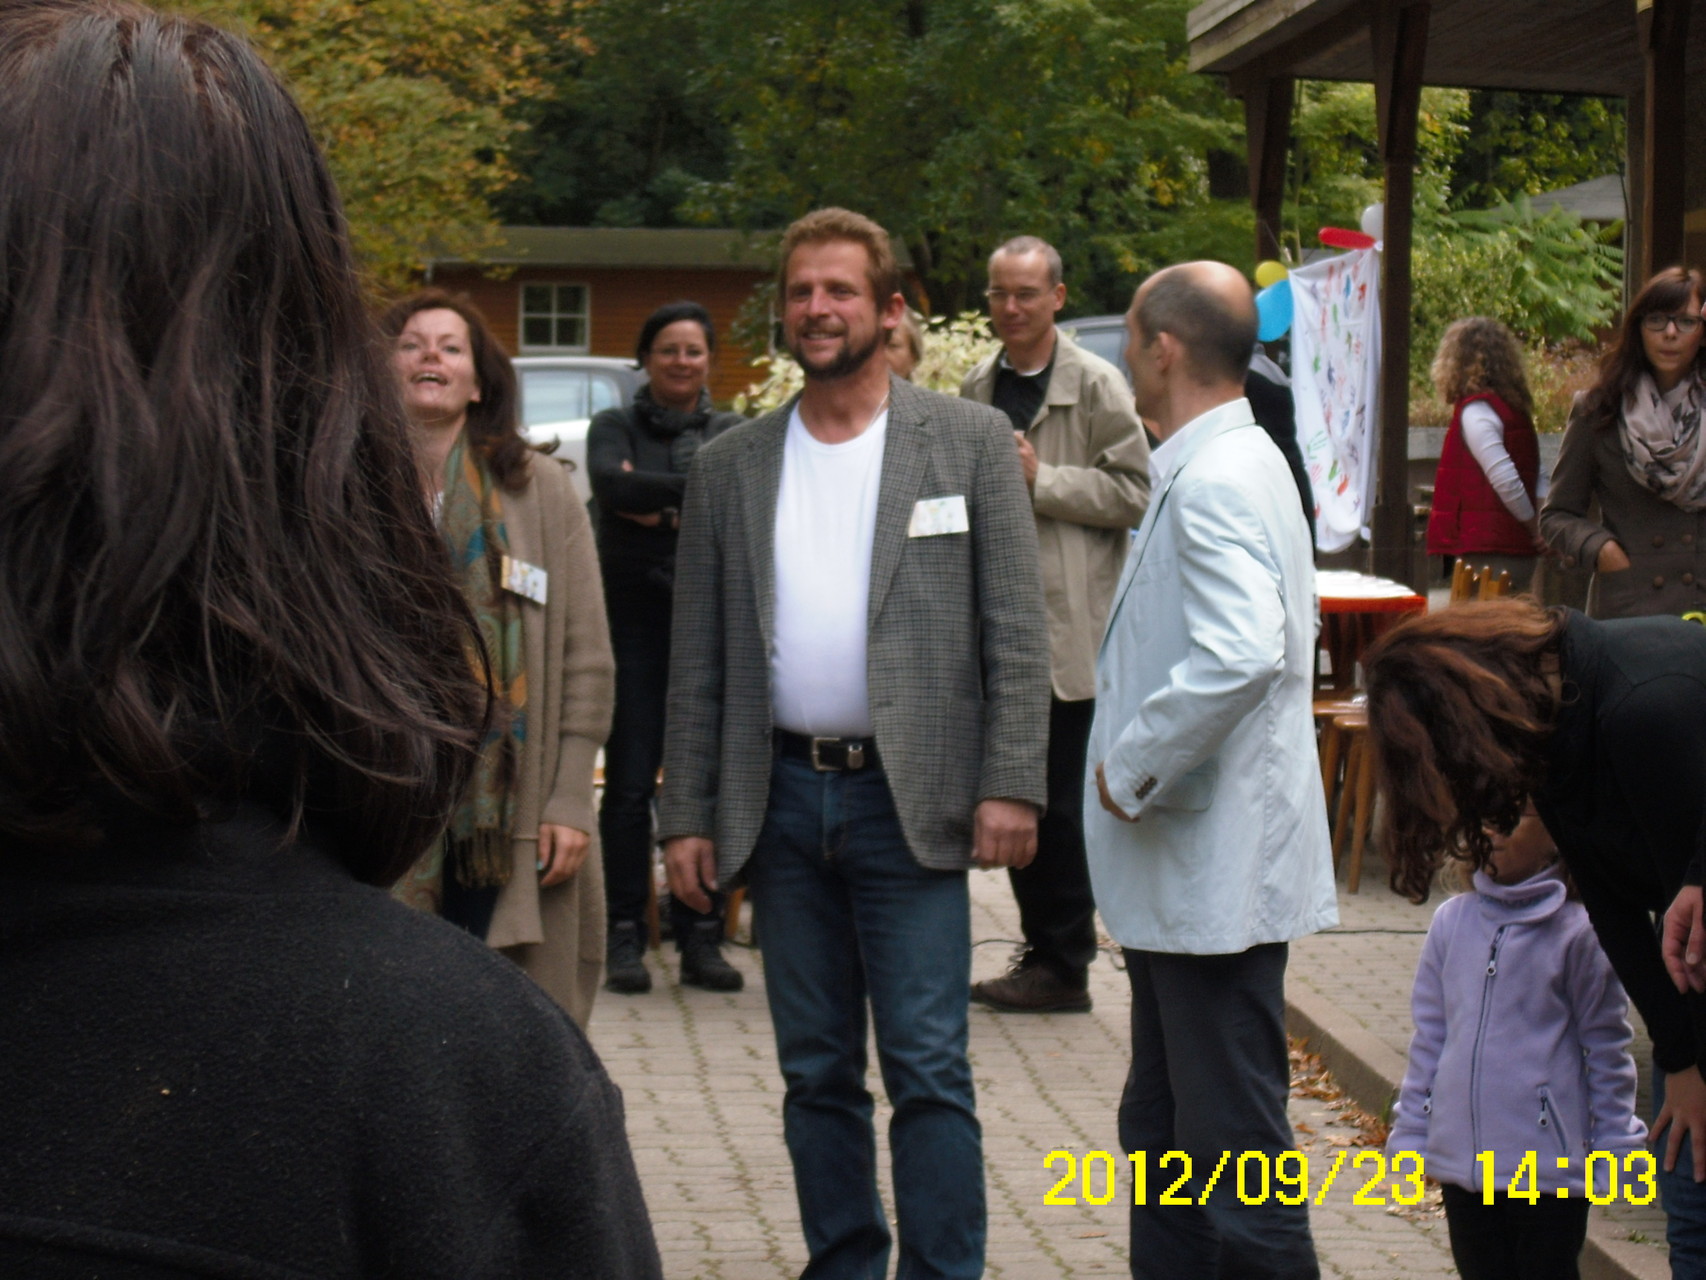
(659, 444)
(1625, 797)
(1271, 405)
(1020, 395)
(224, 1057)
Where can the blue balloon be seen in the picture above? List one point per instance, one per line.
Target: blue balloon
(1273, 311)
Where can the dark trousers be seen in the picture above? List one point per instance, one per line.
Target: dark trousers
(1210, 1074)
(1056, 909)
(639, 634)
(1513, 1239)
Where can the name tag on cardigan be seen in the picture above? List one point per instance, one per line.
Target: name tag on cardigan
(933, 516)
(527, 580)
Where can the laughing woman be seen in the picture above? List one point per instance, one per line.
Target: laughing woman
(518, 865)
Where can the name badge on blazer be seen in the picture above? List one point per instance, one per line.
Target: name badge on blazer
(528, 581)
(934, 516)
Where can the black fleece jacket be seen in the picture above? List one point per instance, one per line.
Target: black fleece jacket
(223, 1057)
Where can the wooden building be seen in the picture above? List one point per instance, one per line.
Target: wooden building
(1645, 51)
(587, 290)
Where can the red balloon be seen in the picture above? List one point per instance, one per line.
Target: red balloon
(1340, 238)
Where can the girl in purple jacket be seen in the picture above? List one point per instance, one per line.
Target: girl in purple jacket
(1520, 1067)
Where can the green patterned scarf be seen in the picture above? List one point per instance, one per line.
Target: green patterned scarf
(477, 842)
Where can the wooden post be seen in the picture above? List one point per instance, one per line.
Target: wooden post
(1267, 130)
(1635, 189)
(1663, 28)
(1400, 36)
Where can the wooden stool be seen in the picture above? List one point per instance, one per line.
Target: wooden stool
(1356, 798)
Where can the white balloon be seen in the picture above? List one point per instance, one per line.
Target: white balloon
(1374, 221)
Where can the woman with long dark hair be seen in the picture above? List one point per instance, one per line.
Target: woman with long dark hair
(1477, 709)
(637, 459)
(235, 699)
(1633, 452)
(513, 867)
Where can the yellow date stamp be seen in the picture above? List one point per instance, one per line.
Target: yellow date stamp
(1368, 1175)
(1255, 1177)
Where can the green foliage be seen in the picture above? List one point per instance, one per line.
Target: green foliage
(955, 123)
(952, 346)
(1524, 143)
(413, 104)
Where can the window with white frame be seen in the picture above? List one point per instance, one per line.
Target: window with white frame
(553, 317)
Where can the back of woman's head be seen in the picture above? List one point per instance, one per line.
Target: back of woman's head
(1672, 290)
(1459, 710)
(1479, 354)
(494, 420)
(208, 510)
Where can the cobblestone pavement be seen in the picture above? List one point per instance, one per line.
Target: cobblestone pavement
(703, 1094)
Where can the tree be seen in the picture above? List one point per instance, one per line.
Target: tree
(414, 104)
(955, 123)
(1519, 144)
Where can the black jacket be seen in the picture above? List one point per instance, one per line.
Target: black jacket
(1625, 798)
(219, 1057)
(660, 447)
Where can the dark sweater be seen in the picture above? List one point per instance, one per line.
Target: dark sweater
(631, 554)
(1625, 798)
(220, 1057)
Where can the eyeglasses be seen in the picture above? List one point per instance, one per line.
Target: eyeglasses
(1024, 297)
(1658, 322)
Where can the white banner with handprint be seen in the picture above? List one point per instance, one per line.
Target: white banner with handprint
(1335, 375)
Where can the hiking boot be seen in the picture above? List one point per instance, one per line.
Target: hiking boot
(1031, 986)
(625, 961)
(702, 963)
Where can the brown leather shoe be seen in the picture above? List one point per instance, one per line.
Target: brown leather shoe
(1032, 987)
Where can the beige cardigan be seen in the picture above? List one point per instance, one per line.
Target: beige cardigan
(557, 934)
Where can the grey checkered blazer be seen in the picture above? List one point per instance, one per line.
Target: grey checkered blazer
(958, 651)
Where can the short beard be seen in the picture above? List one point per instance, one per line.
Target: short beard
(845, 365)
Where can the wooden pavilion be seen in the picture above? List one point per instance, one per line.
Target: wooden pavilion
(1645, 51)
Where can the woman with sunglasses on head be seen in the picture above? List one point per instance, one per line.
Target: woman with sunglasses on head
(1632, 449)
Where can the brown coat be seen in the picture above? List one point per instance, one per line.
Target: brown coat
(1665, 544)
(557, 934)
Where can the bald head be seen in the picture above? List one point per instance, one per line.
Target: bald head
(1209, 310)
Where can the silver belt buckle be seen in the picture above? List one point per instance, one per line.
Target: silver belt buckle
(817, 762)
(855, 758)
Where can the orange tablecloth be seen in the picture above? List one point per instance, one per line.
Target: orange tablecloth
(1355, 608)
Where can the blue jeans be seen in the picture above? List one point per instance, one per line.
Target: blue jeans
(844, 913)
(1684, 1199)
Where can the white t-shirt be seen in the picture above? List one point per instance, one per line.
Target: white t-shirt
(826, 519)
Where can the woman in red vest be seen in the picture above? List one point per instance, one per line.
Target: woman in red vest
(1486, 499)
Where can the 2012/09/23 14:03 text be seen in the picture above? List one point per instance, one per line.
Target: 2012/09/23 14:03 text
(1368, 1174)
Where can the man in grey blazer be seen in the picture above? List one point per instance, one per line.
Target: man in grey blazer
(859, 692)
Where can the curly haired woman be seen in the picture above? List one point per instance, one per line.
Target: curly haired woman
(1487, 486)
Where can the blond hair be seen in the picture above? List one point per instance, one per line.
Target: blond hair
(1479, 354)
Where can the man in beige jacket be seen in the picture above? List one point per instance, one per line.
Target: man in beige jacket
(1086, 462)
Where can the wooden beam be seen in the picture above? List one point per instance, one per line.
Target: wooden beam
(1399, 34)
(1663, 28)
(1635, 188)
(1267, 129)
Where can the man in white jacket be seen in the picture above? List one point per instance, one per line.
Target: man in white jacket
(1205, 821)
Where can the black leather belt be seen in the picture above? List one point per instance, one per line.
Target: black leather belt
(828, 755)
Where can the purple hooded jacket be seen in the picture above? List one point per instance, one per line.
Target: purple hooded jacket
(1521, 1044)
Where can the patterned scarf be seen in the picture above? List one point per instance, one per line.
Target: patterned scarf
(477, 842)
(1661, 441)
